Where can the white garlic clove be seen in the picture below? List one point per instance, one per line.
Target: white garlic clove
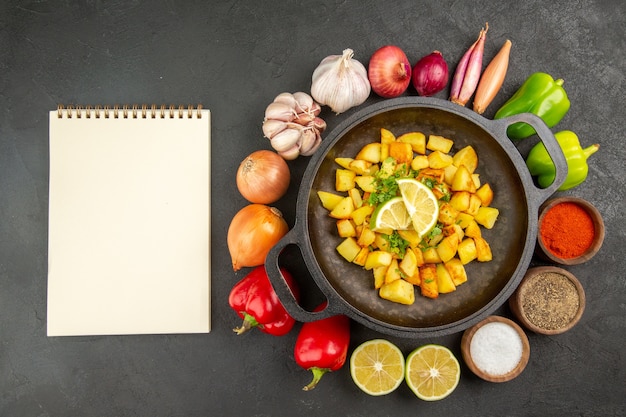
(304, 102)
(318, 124)
(272, 126)
(291, 153)
(286, 98)
(279, 111)
(316, 109)
(304, 118)
(313, 148)
(286, 139)
(307, 140)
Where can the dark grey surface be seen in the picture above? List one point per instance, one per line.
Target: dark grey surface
(234, 57)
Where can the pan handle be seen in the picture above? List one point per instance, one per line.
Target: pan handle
(552, 146)
(281, 287)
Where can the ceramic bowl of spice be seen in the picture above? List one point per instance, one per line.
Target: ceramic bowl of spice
(549, 300)
(570, 231)
(495, 349)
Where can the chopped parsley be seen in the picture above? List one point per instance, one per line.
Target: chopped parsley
(386, 188)
(396, 243)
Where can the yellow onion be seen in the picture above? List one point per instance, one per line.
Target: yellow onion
(253, 231)
(263, 177)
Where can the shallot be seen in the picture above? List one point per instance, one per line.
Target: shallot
(389, 71)
(468, 71)
(430, 74)
(492, 79)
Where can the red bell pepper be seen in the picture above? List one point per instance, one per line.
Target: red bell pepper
(322, 345)
(254, 300)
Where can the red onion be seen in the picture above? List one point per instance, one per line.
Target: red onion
(430, 74)
(389, 71)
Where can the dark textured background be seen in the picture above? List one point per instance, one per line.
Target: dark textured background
(234, 57)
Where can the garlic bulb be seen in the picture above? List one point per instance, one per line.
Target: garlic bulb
(340, 82)
(292, 125)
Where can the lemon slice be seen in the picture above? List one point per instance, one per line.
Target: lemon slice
(432, 372)
(391, 215)
(377, 367)
(421, 204)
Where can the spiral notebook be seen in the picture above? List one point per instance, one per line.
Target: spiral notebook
(129, 221)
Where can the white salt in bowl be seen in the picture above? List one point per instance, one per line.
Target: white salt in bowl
(496, 349)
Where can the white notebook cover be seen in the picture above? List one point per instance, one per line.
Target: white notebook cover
(129, 224)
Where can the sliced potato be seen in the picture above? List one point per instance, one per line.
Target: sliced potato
(474, 205)
(359, 215)
(439, 160)
(467, 157)
(366, 183)
(346, 228)
(355, 195)
(408, 265)
(361, 257)
(367, 237)
(379, 276)
(462, 180)
(428, 281)
(343, 210)
(467, 251)
(444, 280)
(447, 247)
(398, 291)
(472, 229)
(362, 167)
(370, 153)
(439, 143)
(419, 162)
(457, 271)
(344, 179)
(349, 249)
(417, 140)
(393, 272)
(483, 250)
(386, 136)
(431, 256)
(485, 193)
(487, 216)
(377, 258)
(329, 200)
(401, 152)
(460, 200)
(447, 214)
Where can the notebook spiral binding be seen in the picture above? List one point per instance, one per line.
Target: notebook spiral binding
(130, 111)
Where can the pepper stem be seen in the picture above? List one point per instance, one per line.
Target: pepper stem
(591, 150)
(318, 373)
(248, 323)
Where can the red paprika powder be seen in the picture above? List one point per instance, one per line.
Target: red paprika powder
(567, 230)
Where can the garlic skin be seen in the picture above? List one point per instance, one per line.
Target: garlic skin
(340, 82)
(292, 125)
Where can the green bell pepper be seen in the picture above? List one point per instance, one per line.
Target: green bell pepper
(541, 95)
(540, 164)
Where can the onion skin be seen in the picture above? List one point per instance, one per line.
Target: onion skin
(389, 71)
(492, 79)
(468, 71)
(263, 177)
(430, 74)
(253, 231)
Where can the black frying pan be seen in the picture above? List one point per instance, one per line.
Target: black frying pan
(349, 287)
